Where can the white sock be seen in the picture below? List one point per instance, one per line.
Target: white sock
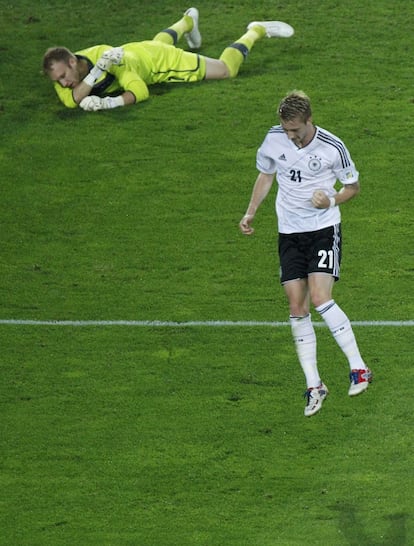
(341, 330)
(305, 342)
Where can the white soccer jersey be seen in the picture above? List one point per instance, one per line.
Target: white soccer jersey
(301, 171)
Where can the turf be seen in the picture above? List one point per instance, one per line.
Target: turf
(159, 436)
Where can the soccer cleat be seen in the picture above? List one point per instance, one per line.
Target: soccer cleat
(274, 29)
(193, 37)
(314, 398)
(360, 380)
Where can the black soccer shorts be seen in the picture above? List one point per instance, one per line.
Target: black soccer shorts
(310, 252)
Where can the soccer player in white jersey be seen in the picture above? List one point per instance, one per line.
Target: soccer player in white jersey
(308, 161)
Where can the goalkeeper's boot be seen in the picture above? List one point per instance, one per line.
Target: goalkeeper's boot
(193, 37)
(273, 29)
(360, 379)
(314, 399)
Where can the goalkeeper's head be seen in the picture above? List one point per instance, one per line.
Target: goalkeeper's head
(63, 67)
(56, 55)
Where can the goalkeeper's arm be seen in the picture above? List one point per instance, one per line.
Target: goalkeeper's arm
(111, 57)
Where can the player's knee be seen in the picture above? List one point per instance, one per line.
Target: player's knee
(320, 297)
(217, 70)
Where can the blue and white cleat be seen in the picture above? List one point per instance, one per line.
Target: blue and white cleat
(314, 399)
(360, 379)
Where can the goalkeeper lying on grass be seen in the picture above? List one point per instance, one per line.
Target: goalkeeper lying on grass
(102, 77)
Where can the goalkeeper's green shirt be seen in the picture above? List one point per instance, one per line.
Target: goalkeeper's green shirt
(143, 64)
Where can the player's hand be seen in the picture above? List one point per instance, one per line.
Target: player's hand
(320, 200)
(245, 224)
(91, 103)
(110, 57)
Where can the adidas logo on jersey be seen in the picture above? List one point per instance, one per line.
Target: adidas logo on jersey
(282, 157)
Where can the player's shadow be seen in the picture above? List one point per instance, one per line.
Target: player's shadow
(353, 529)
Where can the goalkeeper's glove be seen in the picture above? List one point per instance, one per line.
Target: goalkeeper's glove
(92, 103)
(110, 57)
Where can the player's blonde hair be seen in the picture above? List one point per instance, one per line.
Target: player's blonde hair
(56, 54)
(295, 105)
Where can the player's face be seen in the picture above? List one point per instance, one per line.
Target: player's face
(66, 74)
(298, 131)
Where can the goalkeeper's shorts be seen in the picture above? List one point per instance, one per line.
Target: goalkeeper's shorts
(171, 64)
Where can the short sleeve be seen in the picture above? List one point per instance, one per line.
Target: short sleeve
(264, 163)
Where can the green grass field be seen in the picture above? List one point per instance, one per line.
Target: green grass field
(183, 434)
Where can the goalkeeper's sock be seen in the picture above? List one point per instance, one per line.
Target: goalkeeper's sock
(175, 32)
(234, 55)
(341, 329)
(305, 342)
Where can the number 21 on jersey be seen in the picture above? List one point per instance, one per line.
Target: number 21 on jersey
(295, 176)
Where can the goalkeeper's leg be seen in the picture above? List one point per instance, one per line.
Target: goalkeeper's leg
(234, 55)
(175, 32)
(230, 61)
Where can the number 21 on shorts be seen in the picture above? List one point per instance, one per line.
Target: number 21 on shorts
(326, 259)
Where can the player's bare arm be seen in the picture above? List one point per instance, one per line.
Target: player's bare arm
(321, 200)
(80, 91)
(128, 98)
(260, 191)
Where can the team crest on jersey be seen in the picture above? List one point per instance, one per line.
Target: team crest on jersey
(314, 163)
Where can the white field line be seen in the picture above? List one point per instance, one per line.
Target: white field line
(186, 324)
